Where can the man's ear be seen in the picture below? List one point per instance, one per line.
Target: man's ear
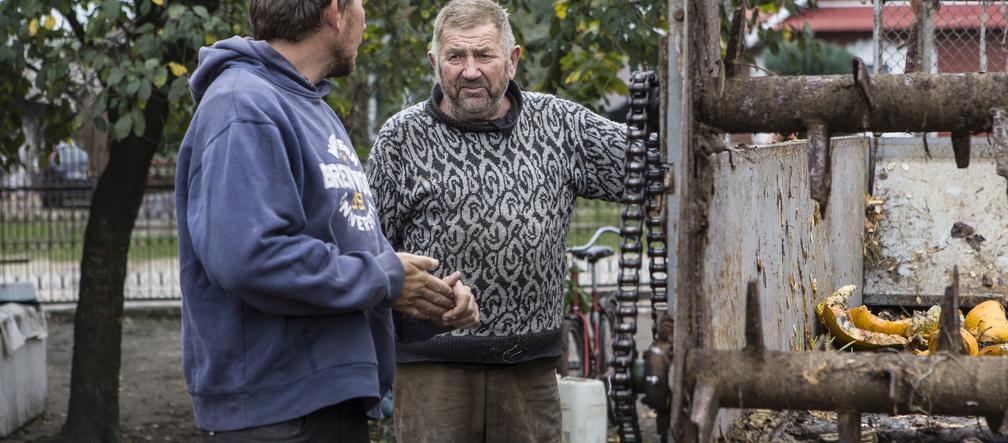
(333, 16)
(514, 56)
(432, 60)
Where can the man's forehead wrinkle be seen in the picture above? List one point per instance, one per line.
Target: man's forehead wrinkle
(470, 42)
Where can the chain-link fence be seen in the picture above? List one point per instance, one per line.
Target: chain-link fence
(941, 36)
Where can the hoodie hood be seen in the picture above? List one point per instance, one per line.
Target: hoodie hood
(256, 56)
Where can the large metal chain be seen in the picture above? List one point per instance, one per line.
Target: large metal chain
(643, 186)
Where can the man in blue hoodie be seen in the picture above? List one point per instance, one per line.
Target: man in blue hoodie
(287, 278)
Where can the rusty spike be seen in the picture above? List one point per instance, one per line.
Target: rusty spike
(849, 426)
(754, 322)
(949, 339)
(705, 409)
(863, 82)
(819, 159)
(999, 137)
(961, 148)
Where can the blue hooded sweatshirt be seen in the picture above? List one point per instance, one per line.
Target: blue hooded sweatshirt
(286, 275)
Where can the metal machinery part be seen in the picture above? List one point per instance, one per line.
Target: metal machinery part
(643, 198)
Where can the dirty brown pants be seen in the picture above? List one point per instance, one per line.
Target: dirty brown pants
(438, 403)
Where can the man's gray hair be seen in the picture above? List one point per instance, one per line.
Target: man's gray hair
(290, 20)
(466, 14)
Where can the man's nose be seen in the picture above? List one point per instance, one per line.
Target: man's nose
(471, 71)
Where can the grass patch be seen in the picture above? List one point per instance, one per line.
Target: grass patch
(63, 240)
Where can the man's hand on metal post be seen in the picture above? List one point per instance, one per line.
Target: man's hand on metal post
(424, 296)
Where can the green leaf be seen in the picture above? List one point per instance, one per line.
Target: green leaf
(99, 61)
(114, 77)
(144, 92)
(201, 11)
(77, 121)
(139, 124)
(112, 9)
(151, 63)
(179, 87)
(132, 87)
(122, 127)
(160, 77)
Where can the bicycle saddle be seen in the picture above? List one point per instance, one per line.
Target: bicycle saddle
(593, 254)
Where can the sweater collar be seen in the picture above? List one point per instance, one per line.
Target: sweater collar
(504, 124)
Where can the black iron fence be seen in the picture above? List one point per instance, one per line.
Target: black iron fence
(42, 220)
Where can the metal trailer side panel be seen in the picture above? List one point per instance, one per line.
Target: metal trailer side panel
(762, 226)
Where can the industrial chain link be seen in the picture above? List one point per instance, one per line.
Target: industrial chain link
(642, 199)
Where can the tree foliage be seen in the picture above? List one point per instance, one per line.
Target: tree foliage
(109, 55)
(574, 49)
(770, 37)
(809, 56)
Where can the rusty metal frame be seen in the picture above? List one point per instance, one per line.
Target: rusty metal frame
(820, 105)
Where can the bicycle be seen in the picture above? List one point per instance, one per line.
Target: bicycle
(588, 336)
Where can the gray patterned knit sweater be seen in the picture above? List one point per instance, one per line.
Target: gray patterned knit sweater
(495, 202)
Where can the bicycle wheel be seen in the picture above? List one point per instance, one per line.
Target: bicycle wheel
(572, 361)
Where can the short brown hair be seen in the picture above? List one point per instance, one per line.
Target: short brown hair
(290, 20)
(465, 14)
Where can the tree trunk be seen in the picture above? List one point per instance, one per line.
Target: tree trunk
(93, 413)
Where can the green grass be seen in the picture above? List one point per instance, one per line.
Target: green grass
(590, 215)
(61, 237)
(63, 240)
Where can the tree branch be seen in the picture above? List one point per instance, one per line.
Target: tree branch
(76, 26)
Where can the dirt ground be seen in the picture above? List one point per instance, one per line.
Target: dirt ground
(154, 405)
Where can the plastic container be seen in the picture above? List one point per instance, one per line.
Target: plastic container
(583, 405)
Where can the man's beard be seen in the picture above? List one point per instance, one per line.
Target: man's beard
(480, 110)
(342, 64)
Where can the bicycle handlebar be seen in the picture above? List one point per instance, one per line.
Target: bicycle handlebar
(594, 238)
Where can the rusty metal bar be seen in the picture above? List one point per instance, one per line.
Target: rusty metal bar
(942, 384)
(902, 103)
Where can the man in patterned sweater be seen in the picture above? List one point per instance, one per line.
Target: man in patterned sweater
(484, 176)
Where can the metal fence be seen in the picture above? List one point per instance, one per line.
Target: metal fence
(941, 36)
(43, 215)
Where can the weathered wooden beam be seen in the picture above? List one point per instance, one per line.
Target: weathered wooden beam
(943, 384)
(910, 102)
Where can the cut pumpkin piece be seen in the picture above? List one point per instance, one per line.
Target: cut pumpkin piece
(864, 319)
(969, 342)
(833, 314)
(987, 321)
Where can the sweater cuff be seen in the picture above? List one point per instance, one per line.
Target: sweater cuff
(390, 262)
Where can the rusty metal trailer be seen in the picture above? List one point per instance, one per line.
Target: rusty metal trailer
(759, 236)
